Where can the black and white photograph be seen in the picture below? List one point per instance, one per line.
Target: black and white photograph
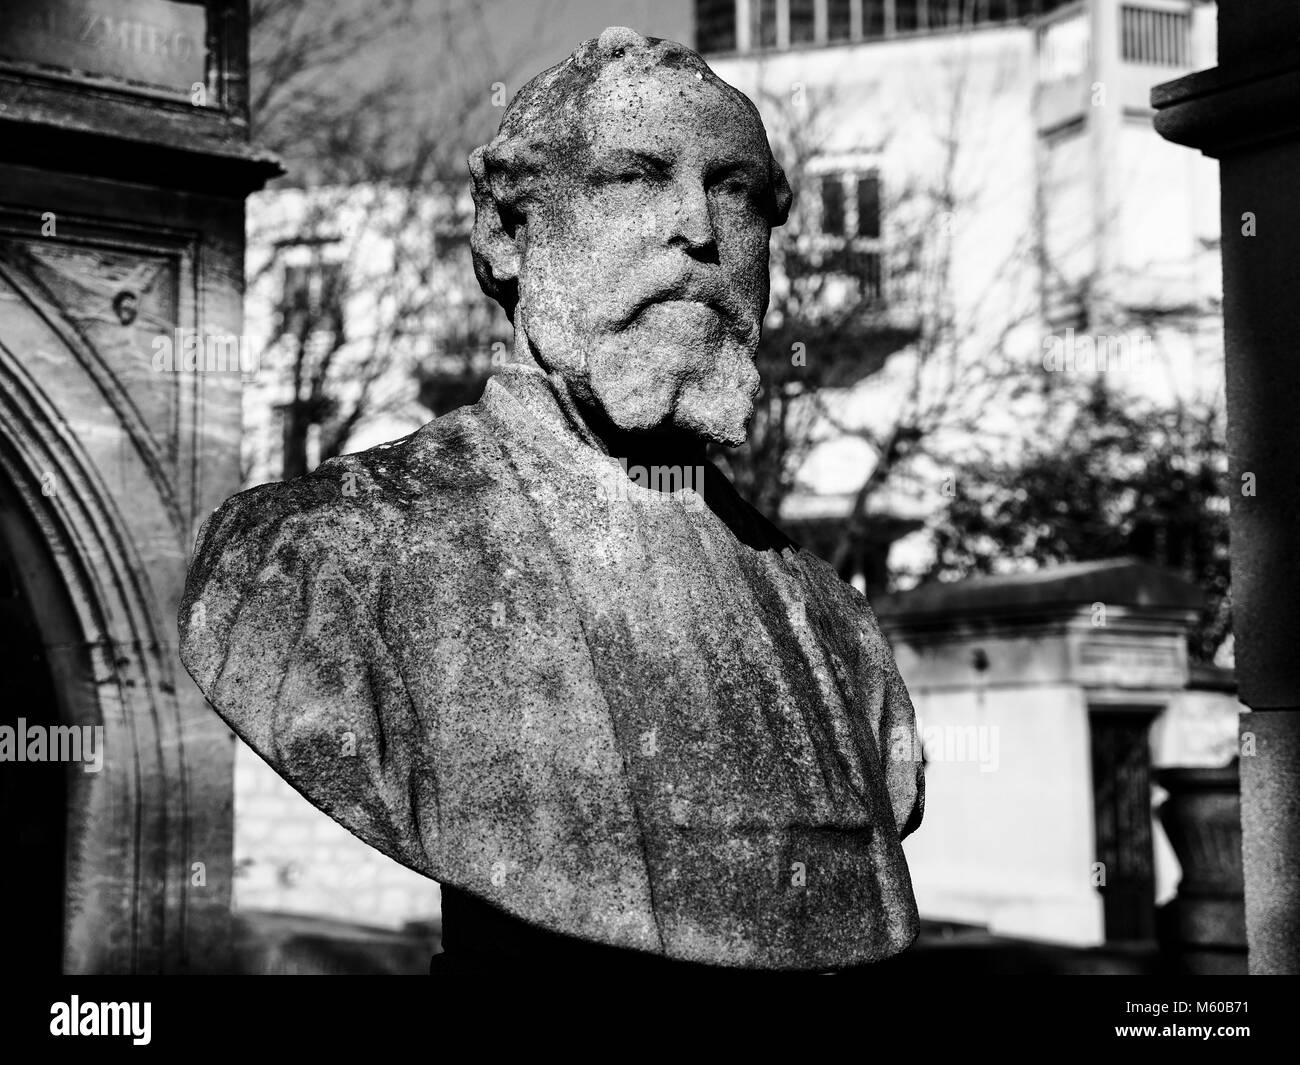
(650, 494)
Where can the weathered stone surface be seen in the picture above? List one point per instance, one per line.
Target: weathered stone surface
(611, 701)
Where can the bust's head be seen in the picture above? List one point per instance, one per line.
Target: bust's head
(622, 220)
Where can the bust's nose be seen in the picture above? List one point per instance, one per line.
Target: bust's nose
(691, 226)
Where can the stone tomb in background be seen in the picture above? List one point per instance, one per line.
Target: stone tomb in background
(1045, 701)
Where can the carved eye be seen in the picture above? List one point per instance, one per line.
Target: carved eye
(736, 182)
(737, 188)
(631, 171)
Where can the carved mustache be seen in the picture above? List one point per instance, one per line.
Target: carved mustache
(697, 286)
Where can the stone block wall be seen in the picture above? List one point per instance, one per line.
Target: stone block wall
(291, 858)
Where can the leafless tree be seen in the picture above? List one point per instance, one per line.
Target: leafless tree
(847, 309)
(366, 234)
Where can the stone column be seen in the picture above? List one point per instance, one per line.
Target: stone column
(1246, 113)
(744, 26)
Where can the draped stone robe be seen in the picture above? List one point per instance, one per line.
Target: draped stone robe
(642, 718)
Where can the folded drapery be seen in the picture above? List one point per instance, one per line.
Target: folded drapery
(616, 704)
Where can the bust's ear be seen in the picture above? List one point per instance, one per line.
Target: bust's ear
(496, 256)
(782, 197)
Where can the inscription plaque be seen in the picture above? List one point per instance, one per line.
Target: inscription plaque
(158, 43)
(1129, 663)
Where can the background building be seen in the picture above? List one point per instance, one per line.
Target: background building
(982, 186)
(989, 177)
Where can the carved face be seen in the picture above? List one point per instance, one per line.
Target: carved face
(644, 266)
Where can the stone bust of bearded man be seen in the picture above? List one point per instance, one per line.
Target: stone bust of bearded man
(611, 709)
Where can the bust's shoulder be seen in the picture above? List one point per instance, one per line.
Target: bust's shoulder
(355, 497)
(357, 517)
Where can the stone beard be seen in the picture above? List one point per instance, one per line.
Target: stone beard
(639, 717)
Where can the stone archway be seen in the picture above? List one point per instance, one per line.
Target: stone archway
(122, 193)
(98, 547)
(33, 795)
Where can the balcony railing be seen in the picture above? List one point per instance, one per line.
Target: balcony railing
(723, 26)
(1155, 36)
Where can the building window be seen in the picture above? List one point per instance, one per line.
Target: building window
(1021, 8)
(868, 203)
(765, 23)
(1063, 48)
(907, 15)
(802, 25)
(849, 242)
(715, 22)
(833, 205)
(867, 270)
(715, 26)
(963, 12)
(954, 14)
(312, 299)
(873, 18)
(839, 25)
(850, 205)
(1156, 38)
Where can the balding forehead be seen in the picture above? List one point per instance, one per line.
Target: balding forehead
(656, 102)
